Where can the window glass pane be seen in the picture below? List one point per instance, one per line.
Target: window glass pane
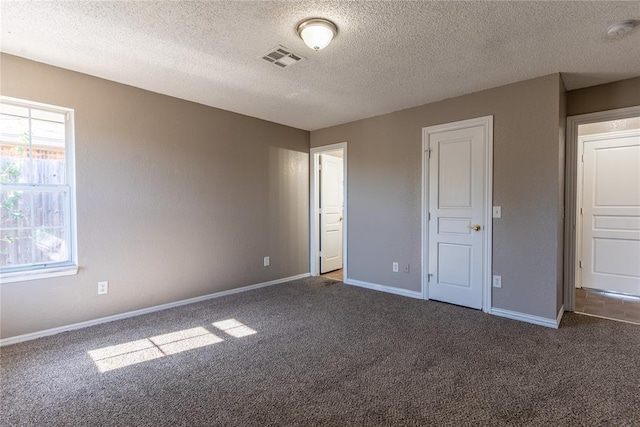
(49, 208)
(16, 248)
(14, 110)
(47, 152)
(15, 209)
(33, 227)
(48, 166)
(47, 134)
(14, 164)
(14, 149)
(51, 116)
(50, 245)
(14, 129)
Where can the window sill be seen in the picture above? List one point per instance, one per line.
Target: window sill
(47, 273)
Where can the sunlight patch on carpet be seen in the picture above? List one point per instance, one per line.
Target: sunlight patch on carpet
(121, 355)
(234, 328)
(134, 352)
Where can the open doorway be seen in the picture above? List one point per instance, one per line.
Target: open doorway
(328, 243)
(604, 210)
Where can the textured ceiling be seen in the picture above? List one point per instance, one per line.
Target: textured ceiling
(387, 55)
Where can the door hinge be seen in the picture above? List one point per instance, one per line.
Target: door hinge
(320, 254)
(429, 151)
(580, 264)
(582, 158)
(429, 277)
(580, 211)
(320, 210)
(429, 219)
(319, 166)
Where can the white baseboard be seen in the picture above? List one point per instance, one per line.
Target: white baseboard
(80, 325)
(529, 318)
(384, 288)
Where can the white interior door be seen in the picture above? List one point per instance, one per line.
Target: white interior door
(331, 201)
(457, 223)
(611, 212)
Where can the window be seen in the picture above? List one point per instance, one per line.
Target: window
(37, 200)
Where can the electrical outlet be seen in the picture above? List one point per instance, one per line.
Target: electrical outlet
(103, 288)
(497, 281)
(497, 211)
(395, 267)
(266, 261)
(406, 268)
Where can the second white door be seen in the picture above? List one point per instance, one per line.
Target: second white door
(331, 201)
(611, 212)
(457, 223)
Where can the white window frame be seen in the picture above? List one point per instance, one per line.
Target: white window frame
(70, 266)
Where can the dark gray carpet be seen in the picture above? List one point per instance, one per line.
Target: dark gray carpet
(329, 354)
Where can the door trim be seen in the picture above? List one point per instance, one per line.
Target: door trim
(314, 201)
(487, 123)
(573, 190)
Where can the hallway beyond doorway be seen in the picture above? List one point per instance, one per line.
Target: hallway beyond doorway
(334, 275)
(608, 305)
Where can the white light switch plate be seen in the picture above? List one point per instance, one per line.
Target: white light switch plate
(497, 211)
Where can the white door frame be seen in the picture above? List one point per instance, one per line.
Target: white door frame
(487, 123)
(314, 202)
(573, 191)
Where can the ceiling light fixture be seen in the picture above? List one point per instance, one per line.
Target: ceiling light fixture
(317, 33)
(620, 29)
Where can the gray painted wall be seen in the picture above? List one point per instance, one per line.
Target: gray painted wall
(621, 94)
(175, 200)
(384, 191)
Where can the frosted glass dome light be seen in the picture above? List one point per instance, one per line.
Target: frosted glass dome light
(317, 33)
(623, 28)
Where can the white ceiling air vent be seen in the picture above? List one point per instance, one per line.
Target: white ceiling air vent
(282, 57)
